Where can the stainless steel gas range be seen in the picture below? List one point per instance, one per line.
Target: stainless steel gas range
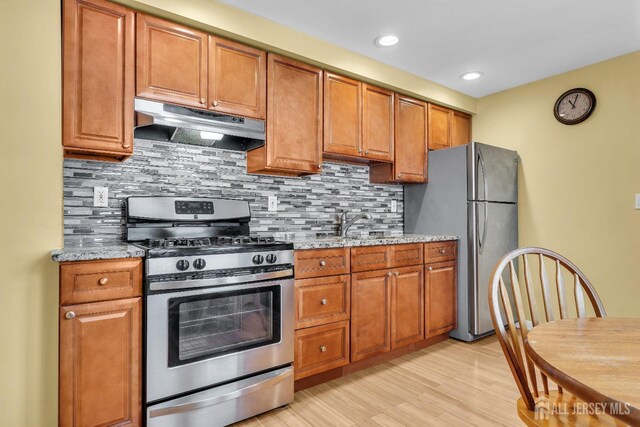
(219, 312)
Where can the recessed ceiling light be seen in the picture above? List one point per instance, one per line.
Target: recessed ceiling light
(387, 40)
(471, 75)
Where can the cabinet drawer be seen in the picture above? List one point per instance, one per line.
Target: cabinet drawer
(321, 262)
(321, 348)
(407, 255)
(322, 300)
(440, 251)
(90, 281)
(367, 258)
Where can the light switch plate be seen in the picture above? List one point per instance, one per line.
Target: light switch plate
(394, 206)
(273, 203)
(637, 200)
(100, 197)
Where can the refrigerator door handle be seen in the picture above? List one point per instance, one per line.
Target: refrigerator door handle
(484, 175)
(484, 226)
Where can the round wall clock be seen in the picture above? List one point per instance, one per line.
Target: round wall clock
(574, 106)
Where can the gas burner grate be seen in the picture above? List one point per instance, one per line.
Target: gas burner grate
(213, 241)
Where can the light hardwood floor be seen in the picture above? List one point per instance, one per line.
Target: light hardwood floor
(449, 384)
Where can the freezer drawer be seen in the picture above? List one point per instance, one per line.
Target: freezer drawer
(226, 404)
(493, 232)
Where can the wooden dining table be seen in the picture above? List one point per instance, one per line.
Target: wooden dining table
(596, 359)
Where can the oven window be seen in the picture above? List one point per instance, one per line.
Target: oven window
(210, 325)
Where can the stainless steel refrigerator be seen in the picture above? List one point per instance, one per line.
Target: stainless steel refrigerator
(472, 192)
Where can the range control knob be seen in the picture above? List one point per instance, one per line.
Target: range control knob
(271, 258)
(258, 259)
(199, 264)
(182, 265)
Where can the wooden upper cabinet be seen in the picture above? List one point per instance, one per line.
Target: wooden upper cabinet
(460, 129)
(342, 115)
(294, 120)
(100, 364)
(370, 309)
(171, 62)
(407, 306)
(411, 140)
(439, 127)
(98, 80)
(441, 306)
(377, 123)
(237, 79)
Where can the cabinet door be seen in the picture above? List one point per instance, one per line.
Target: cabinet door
(407, 306)
(322, 300)
(294, 116)
(98, 78)
(411, 140)
(171, 62)
(377, 123)
(100, 364)
(439, 127)
(370, 308)
(460, 129)
(237, 78)
(440, 298)
(342, 113)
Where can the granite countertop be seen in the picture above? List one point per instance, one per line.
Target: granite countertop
(97, 251)
(341, 242)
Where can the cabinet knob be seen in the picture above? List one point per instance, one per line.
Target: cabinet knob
(396, 274)
(323, 301)
(429, 268)
(203, 101)
(366, 152)
(389, 274)
(442, 251)
(126, 145)
(214, 103)
(323, 348)
(359, 150)
(323, 263)
(70, 315)
(103, 281)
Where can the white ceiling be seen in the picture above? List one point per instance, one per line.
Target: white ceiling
(511, 41)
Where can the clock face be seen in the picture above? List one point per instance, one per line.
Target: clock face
(574, 106)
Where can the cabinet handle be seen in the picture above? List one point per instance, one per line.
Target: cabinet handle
(323, 263)
(359, 150)
(214, 103)
(70, 315)
(429, 268)
(203, 101)
(323, 301)
(103, 281)
(366, 152)
(126, 145)
(323, 348)
(389, 274)
(396, 274)
(442, 251)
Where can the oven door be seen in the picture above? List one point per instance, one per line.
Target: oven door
(200, 338)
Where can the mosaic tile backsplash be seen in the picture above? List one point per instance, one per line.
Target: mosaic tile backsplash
(305, 205)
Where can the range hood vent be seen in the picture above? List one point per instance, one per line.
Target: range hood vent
(183, 125)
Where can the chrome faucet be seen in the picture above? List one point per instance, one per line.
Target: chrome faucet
(344, 224)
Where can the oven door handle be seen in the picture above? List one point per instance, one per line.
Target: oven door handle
(219, 281)
(186, 407)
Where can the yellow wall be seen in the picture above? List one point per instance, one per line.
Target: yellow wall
(577, 183)
(30, 210)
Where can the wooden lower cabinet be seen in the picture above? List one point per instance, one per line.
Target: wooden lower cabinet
(440, 288)
(407, 306)
(370, 313)
(100, 364)
(321, 348)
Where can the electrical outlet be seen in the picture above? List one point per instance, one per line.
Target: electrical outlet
(394, 206)
(101, 197)
(637, 200)
(273, 203)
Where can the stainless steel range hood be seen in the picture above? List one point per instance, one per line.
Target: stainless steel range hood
(166, 122)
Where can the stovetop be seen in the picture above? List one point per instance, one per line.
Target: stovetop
(211, 245)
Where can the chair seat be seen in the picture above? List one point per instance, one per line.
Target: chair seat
(563, 410)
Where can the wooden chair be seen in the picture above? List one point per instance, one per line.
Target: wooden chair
(519, 305)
